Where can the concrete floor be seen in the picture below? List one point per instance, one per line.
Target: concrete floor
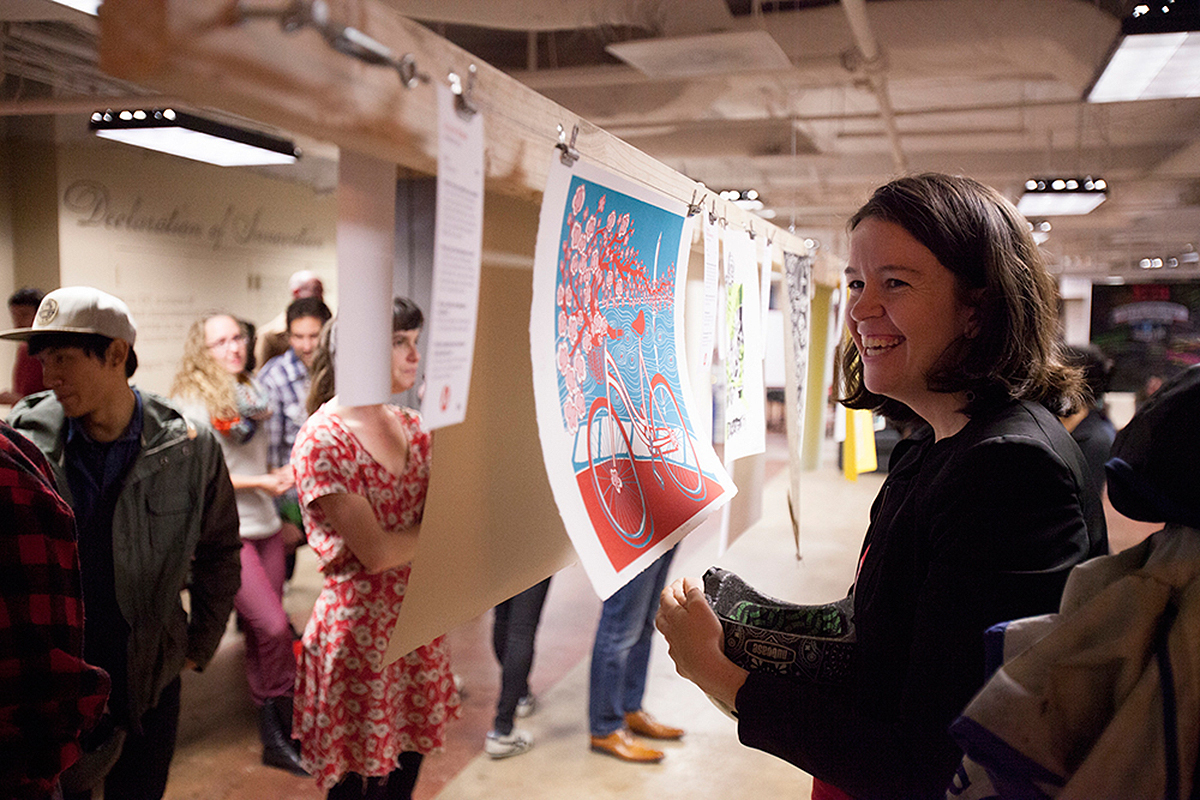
(218, 752)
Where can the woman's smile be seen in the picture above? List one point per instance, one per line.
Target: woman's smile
(877, 345)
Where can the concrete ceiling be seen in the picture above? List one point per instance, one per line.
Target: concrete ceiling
(829, 99)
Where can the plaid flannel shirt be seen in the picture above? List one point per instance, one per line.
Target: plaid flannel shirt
(48, 694)
(285, 380)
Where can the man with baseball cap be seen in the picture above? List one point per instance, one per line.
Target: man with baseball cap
(155, 514)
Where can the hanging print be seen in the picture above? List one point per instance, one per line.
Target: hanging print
(797, 273)
(628, 472)
(745, 387)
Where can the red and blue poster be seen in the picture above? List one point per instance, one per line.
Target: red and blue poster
(628, 471)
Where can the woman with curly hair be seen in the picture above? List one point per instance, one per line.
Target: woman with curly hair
(214, 386)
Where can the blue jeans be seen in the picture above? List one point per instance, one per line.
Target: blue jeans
(621, 653)
(513, 631)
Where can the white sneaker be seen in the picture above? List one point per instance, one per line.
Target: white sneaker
(513, 744)
(526, 706)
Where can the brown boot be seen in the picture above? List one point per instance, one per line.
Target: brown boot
(620, 744)
(641, 723)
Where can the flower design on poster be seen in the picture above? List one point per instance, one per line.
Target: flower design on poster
(623, 425)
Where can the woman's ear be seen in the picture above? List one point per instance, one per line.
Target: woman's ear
(971, 315)
(972, 324)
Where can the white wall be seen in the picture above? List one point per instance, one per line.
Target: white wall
(1076, 295)
(174, 238)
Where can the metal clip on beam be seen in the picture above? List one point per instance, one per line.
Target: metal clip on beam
(569, 154)
(350, 41)
(464, 99)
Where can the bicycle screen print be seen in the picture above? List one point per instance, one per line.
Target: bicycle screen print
(634, 458)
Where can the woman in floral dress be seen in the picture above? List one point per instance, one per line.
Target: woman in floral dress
(361, 474)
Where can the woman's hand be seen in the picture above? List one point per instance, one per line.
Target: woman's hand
(280, 479)
(274, 483)
(695, 639)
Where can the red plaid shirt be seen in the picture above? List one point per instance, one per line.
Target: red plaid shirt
(48, 694)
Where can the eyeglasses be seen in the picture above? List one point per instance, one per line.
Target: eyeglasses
(224, 344)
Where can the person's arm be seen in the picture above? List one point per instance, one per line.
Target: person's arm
(696, 642)
(274, 483)
(49, 695)
(354, 520)
(216, 564)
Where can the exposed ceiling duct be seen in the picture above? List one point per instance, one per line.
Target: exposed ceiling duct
(874, 67)
(854, 92)
(668, 17)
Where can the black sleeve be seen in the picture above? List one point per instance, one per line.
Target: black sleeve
(1006, 529)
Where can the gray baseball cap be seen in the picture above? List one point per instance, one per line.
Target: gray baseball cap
(80, 309)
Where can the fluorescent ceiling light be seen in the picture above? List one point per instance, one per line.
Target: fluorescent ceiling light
(1051, 197)
(86, 6)
(182, 134)
(747, 199)
(1156, 56)
(1060, 205)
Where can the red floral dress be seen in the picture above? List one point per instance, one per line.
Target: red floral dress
(352, 714)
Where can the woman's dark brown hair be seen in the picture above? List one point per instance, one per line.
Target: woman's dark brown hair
(406, 316)
(984, 241)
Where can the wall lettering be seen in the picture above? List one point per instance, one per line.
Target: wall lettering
(92, 203)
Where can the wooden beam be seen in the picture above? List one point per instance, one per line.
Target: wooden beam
(199, 51)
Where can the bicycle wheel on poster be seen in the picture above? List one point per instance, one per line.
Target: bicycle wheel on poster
(618, 490)
(681, 464)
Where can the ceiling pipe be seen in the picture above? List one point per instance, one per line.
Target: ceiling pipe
(622, 128)
(873, 67)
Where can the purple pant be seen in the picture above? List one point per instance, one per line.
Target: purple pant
(270, 659)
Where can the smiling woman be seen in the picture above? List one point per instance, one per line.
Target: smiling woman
(951, 316)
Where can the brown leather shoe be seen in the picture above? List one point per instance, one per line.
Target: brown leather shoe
(641, 723)
(620, 744)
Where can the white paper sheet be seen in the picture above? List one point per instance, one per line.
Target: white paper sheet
(764, 294)
(712, 285)
(798, 283)
(629, 475)
(457, 249)
(745, 394)
(366, 234)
